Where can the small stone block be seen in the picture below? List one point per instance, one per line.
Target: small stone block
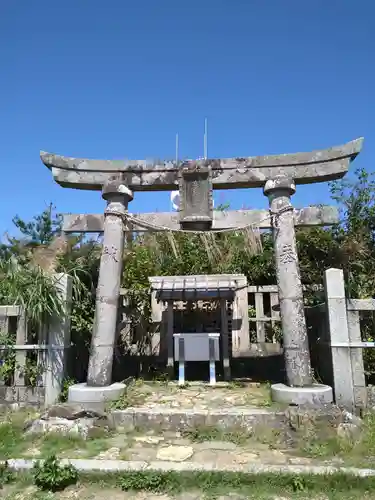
(316, 394)
(94, 397)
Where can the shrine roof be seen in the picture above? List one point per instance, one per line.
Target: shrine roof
(195, 287)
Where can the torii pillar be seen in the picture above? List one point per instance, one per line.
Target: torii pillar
(300, 388)
(99, 387)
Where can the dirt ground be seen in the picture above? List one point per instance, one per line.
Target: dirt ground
(97, 493)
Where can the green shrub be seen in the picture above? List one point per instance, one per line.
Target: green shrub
(6, 474)
(67, 382)
(50, 475)
(154, 481)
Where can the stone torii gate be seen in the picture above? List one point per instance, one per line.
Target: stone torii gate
(278, 175)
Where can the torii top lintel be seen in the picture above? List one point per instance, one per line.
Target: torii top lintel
(227, 173)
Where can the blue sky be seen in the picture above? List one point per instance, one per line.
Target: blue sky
(118, 79)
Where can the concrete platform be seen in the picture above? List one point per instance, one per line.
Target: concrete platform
(315, 395)
(94, 397)
(113, 466)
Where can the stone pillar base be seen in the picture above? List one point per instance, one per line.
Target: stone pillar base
(316, 394)
(94, 397)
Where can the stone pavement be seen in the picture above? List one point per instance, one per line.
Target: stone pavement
(199, 396)
(169, 429)
(171, 447)
(234, 449)
(171, 407)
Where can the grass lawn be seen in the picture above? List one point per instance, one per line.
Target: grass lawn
(191, 486)
(15, 443)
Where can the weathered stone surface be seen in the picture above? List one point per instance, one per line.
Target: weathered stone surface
(196, 496)
(12, 407)
(149, 439)
(170, 420)
(143, 175)
(181, 442)
(110, 454)
(175, 420)
(68, 419)
(304, 416)
(224, 459)
(25, 396)
(147, 454)
(215, 445)
(169, 407)
(96, 432)
(349, 418)
(122, 420)
(338, 333)
(244, 457)
(61, 425)
(295, 340)
(222, 179)
(299, 461)
(175, 453)
(274, 457)
(309, 216)
(350, 432)
(72, 412)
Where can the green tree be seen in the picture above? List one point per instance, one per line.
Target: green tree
(356, 233)
(41, 230)
(27, 264)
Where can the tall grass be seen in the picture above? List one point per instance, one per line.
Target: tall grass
(31, 288)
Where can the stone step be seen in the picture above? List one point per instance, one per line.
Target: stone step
(168, 419)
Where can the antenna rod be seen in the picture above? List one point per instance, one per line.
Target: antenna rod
(176, 149)
(205, 138)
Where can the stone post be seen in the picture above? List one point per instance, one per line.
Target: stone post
(58, 342)
(108, 291)
(296, 345)
(339, 338)
(240, 319)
